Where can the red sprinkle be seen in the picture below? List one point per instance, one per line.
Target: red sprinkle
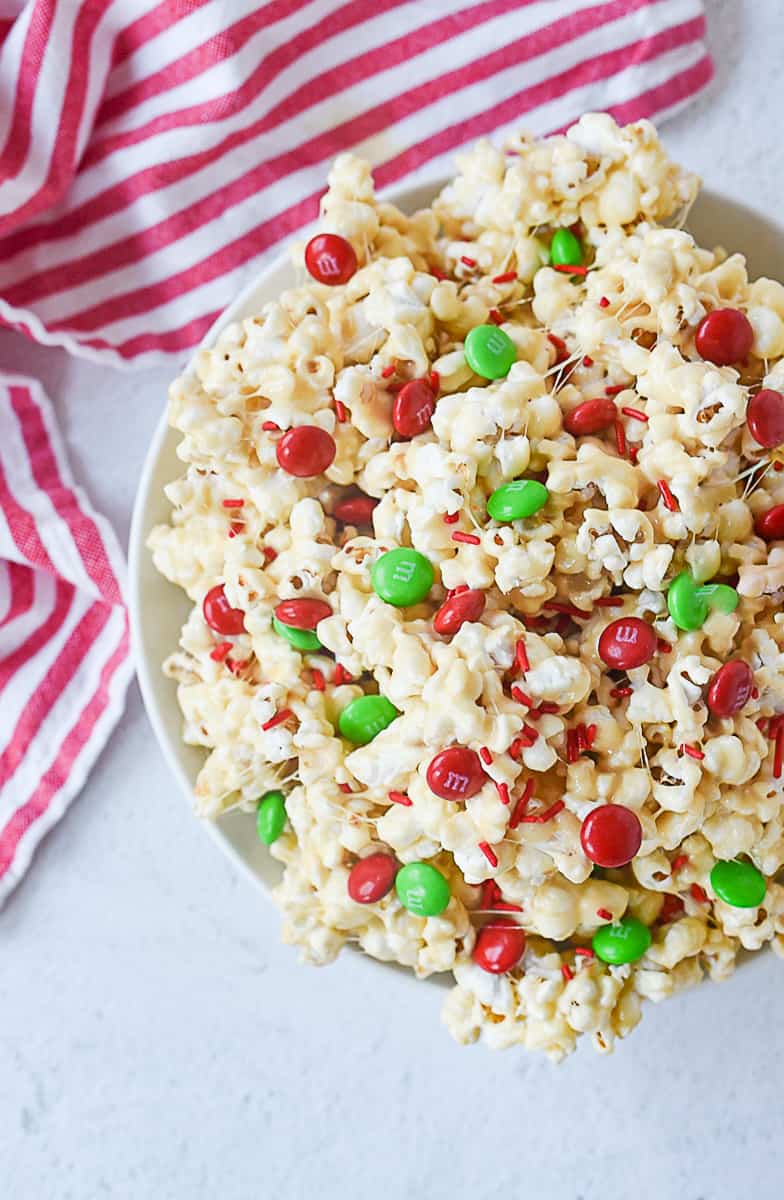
(506, 906)
(620, 439)
(220, 651)
(487, 850)
(615, 389)
(561, 350)
(609, 602)
(547, 815)
(762, 725)
(778, 466)
(567, 972)
(521, 697)
(269, 554)
(670, 909)
(677, 863)
(522, 804)
(270, 426)
(346, 789)
(521, 658)
(582, 737)
(604, 913)
(590, 735)
(495, 316)
(503, 792)
(619, 692)
(237, 666)
(584, 952)
(437, 274)
(318, 680)
(470, 539)
(435, 380)
(485, 754)
(587, 361)
(604, 302)
(233, 503)
(634, 413)
(755, 693)
(389, 370)
(666, 495)
(699, 893)
(663, 647)
(634, 454)
(570, 269)
(572, 746)
(491, 893)
(278, 719)
(544, 709)
(235, 528)
(692, 751)
(507, 277)
(778, 756)
(341, 675)
(401, 798)
(341, 412)
(469, 262)
(530, 733)
(571, 610)
(451, 518)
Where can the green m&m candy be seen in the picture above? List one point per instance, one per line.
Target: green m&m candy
(565, 249)
(489, 351)
(402, 577)
(300, 639)
(739, 884)
(518, 499)
(422, 889)
(364, 717)
(623, 942)
(690, 602)
(270, 817)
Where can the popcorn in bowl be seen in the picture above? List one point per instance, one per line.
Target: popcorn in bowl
(483, 528)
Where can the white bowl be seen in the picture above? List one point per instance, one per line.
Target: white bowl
(158, 609)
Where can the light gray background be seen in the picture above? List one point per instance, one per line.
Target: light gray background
(156, 1040)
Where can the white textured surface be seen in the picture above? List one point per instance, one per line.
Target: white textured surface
(156, 1040)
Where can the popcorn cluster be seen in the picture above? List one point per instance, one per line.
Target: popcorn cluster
(674, 482)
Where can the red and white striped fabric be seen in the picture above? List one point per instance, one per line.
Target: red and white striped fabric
(64, 656)
(155, 153)
(152, 156)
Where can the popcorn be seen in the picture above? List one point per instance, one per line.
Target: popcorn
(670, 481)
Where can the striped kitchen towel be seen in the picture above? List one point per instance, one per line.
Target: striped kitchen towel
(64, 662)
(153, 156)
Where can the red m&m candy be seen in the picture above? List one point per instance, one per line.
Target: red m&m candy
(330, 258)
(770, 525)
(305, 451)
(765, 418)
(371, 878)
(355, 510)
(302, 614)
(611, 835)
(456, 773)
(499, 946)
(730, 688)
(627, 642)
(413, 409)
(592, 416)
(724, 336)
(465, 606)
(219, 614)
